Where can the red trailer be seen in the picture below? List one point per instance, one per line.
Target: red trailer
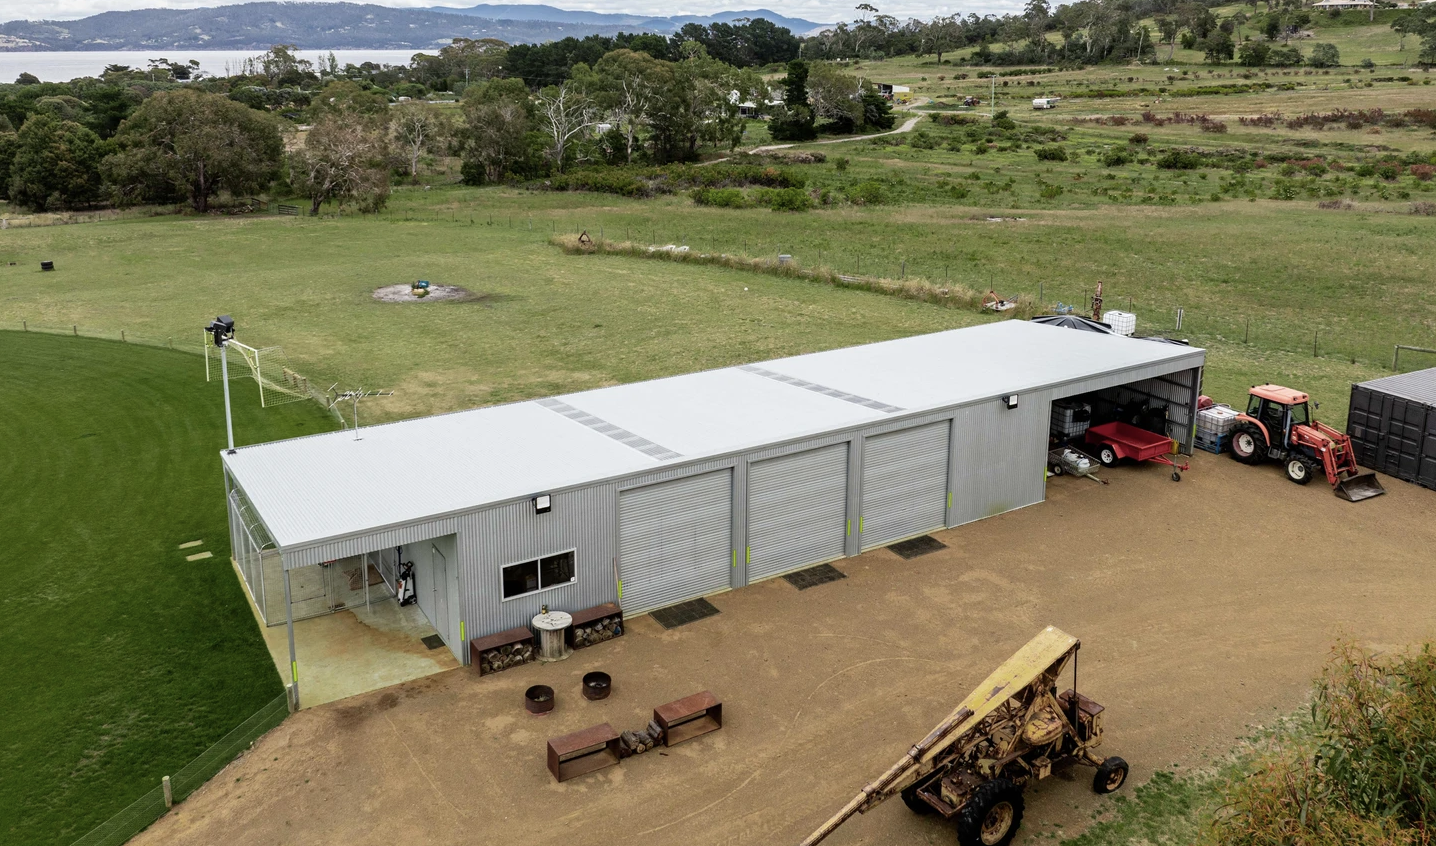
(1116, 441)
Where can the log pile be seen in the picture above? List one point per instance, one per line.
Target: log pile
(504, 657)
(606, 628)
(638, 742)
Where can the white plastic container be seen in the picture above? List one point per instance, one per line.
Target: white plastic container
(1122, 322)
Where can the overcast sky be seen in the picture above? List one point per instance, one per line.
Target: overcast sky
(813, 10)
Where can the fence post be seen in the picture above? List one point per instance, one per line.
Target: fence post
(25, 326)
(122, 337)
(1040, 298)
(902, 274)
(169, 793)
(1315, 336)
(1179, 318)
(1247, 335)
(76, 329)
(1395, 356)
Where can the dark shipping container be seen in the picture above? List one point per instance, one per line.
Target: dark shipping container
(1392, 424)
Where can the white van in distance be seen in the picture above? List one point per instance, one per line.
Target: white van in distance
(1045, 102)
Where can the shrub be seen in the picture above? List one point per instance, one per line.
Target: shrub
(1181, 160)
(1116, 157)
(1002, 121)
(840, 164)
(869, 193)
(1053, 153)
(1368, 773)
(920, 140)
(1138, 139)
(1423, 172)
(1388, 170)
(1424, 208)
(1051, 192)
(954, 146)
(727, 198)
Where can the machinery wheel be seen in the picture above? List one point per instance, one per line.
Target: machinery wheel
(1055, 469)
(914, 802)
(1248, 444)
(1176, 476)
(1107, 455)
(1111, 775)
(992, 815)
(1299, 469)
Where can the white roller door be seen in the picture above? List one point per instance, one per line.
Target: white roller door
(797, 508)
(904, 484)
(674, 540)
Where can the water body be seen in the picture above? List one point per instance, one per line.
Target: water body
(64, 66)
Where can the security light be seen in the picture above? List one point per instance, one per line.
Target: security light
(1010, 401)
(222, 328)
(543, 504)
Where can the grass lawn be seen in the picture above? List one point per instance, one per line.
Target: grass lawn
(122, 660)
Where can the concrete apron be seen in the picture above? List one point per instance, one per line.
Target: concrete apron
(354, 650)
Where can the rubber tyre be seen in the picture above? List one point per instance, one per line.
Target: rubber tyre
(1055, 470)
(1176, 476)
(915, 803)
(1300, 469)
(1111, 775)
(992, 816)
(1107, 455)
(1249, 446)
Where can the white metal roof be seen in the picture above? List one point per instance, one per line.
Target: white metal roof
(331, 486)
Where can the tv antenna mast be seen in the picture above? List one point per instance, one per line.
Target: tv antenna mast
(354, 397)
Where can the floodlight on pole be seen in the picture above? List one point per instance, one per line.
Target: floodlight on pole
(222, 328)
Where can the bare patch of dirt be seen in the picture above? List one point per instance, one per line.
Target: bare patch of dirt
(1204, 609)
(437, 293)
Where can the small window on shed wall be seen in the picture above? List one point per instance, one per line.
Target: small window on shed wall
(540, 574)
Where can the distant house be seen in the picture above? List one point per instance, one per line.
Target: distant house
(750, 109)
(1345, 4)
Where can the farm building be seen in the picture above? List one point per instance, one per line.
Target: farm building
(651, 493)
(1392, 424)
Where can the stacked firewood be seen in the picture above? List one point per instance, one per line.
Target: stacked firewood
(598, 631)
(504, 657)
(638, 742)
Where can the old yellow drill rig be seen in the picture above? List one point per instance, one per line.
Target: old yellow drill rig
(1013, 729)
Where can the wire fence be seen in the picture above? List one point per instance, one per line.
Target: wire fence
(141, 813)
(278, 382)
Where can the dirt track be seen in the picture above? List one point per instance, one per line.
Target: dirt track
(1204, 607)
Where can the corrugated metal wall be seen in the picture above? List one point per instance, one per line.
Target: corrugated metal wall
(997, 458)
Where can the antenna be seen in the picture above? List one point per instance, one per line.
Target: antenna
(354, 397)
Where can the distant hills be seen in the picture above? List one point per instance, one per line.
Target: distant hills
(798, 26)
(335, 26)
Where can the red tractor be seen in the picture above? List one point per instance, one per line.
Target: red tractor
(1278, 426)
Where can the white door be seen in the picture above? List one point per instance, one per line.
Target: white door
(797, 510)
(904, 484)
(441, 596)
(674, 540)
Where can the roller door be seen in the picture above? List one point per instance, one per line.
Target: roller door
(674, 540)
(797, 510)
(904, 484)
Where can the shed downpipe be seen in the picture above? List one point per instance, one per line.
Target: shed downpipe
(289, 626)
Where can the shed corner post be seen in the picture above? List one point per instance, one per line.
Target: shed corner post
(289, 628)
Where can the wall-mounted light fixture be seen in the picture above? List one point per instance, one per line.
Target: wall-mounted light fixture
(543, 504)
(1010, 400)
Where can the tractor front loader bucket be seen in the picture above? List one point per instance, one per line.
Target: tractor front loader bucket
(1359, 487)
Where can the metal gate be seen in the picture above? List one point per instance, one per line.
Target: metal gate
(797, 510)
(674, 541)
(904, 484)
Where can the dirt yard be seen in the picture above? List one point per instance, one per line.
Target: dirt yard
(1204, 608)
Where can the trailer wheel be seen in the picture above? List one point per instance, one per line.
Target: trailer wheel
(1299, 469)
(1111, 775)
(992, 815)
(1055, 469)
(1107, 455)
(1248, 444)
(1176, 476)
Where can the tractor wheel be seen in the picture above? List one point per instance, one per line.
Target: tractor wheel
(992, 815)
(1111, 775)
(1248, 444)
(1299, 469)
(1107, 454)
